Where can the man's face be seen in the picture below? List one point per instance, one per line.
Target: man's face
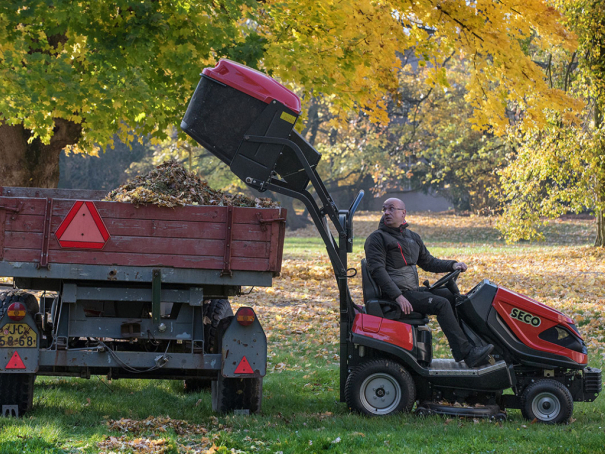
(394, 213)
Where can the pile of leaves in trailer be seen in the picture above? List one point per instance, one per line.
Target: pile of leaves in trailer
(171, 185)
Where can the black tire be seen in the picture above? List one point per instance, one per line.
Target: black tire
(547, 401)
(12, 296)
(195, 385)
(17, 389)
(229, 394)
(213, 313)
(380, 387)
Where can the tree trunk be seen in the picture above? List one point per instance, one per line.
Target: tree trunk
(600, 241)
(600, 190)
(34, 164)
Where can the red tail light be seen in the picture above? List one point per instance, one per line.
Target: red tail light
(245, 316)
(17, 311)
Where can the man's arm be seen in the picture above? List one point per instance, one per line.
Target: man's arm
(434, 265)
(376, 260)
(376, 257)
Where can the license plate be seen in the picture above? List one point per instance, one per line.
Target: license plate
(17, 335)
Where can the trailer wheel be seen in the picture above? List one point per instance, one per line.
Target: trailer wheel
(547, 401)
(17, 389)
(380, 387)
(230, 394)
(13, 296)
(213, 312)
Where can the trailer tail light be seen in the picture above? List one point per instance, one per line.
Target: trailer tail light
(245, 316)
(17, 311)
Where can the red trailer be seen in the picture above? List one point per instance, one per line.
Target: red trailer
(132, 292)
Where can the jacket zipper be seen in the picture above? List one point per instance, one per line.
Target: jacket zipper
(401, 250)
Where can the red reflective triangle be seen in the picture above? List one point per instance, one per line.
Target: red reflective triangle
(82, 228)
(15, 362)
(244, 367)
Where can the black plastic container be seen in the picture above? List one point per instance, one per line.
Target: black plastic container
(232, 102)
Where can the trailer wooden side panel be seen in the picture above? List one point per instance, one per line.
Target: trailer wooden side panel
(198, 237)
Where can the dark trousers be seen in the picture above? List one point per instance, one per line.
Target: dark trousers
(441, 303)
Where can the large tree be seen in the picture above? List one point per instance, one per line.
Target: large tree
(560, 167)
(76, 73)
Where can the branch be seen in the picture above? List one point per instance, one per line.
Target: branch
(573, 56)
(458, 22)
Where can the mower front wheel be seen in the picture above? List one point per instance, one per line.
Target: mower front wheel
(380, 387)
(547, 401)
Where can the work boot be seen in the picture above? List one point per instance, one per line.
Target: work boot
(478, 355)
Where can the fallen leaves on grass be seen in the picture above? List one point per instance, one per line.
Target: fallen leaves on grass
(156, 424)
(193, 438)
(138, 445)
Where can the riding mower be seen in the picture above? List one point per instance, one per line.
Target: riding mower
(247, 119)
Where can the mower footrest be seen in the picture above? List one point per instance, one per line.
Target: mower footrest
(449, 367)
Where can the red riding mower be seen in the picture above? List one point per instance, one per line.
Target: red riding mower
(538, 352)
(246, 119)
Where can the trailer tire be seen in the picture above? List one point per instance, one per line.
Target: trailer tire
(195, 385)
(547, 401)
(13, 296)
(380, 387)
(17, 389)
(230, 394)
(213, 312)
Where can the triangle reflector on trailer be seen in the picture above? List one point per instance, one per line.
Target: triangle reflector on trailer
(244, 367)
(15, 362)
(82, 228)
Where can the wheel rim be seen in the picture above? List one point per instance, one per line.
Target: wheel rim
(380, 394)
(546, 406)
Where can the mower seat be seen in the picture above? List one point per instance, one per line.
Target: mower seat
(376, 305)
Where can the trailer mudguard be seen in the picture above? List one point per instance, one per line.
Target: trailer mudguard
(244, 348)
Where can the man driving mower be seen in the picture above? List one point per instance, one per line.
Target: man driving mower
(392, 254)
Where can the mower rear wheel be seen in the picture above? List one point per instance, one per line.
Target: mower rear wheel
(380, 387)
(547, 401)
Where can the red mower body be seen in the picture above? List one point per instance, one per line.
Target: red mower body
(382, 329)
(538, 326)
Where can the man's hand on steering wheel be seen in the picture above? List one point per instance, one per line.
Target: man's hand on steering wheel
(406, 307)
(460, 266)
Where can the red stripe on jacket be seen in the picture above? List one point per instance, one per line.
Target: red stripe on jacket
(401, 250)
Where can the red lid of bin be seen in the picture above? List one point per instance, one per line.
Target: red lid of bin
(253, 83)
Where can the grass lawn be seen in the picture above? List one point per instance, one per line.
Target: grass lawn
(301, 408)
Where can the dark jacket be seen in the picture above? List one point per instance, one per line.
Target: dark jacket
(392, 256)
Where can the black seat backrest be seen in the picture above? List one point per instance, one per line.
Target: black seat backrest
(371, 291)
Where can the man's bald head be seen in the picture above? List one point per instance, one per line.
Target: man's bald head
(394, 212)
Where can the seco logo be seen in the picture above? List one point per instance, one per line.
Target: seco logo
(525, 317)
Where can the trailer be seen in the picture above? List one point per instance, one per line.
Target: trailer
(132, 292)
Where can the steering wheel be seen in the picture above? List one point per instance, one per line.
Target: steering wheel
(445, 279)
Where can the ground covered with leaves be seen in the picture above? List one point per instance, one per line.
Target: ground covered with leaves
(301, 408)
(171, 185)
